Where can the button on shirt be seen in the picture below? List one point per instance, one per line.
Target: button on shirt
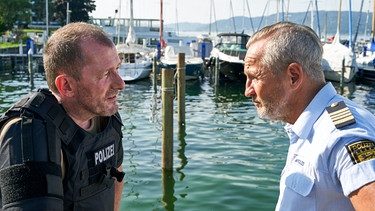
(320, 172)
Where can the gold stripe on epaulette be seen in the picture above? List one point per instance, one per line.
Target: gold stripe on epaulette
(343, 120)
(340, 114)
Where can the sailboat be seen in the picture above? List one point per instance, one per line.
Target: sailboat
(366, 60)
(339, 62)
(194, 64)
(136, 61)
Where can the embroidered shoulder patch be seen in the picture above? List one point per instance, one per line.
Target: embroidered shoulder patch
(362, 150)
(340, 114)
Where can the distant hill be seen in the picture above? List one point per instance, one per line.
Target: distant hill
(327, 23)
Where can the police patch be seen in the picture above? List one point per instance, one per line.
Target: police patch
(362, 150)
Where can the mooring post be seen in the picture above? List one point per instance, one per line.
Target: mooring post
(342, 73)
(167, 119)
(20, 50)
(217, 67)
(154, 66)
(168, 182)
(181, 88)
(30, 66)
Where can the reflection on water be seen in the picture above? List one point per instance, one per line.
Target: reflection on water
(226, 158)
(168, 182)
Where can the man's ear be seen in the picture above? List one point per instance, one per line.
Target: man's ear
(295, 74)
(65, 84)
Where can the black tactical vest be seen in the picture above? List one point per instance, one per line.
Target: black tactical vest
(90, 160)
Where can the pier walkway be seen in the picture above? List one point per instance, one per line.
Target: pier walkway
(10, 60)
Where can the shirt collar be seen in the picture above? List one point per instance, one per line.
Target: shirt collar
(306, 120)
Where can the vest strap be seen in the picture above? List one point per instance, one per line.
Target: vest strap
(27, 136)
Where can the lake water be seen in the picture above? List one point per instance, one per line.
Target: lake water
(229, 159)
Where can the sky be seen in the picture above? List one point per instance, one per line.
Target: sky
(206, 11)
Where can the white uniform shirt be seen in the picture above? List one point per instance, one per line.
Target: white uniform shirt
(325, 164)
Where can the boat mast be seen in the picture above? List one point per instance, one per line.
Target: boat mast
(277, 11)
(312, 13)
(373, 21)
(232, 16)
(131, 34)
(243, 15)
(251, 19)
(118, 22)
(212, 9)
(177, 28)
(162, 43)
(287, 10)
(337, 36)
(350, 25)
(282, 11)
(317, 18)
(372, 47)
(209, 29)
(367, 14)
(359, 22)
(47, 30)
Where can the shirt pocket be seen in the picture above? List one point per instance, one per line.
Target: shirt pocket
(299, 183)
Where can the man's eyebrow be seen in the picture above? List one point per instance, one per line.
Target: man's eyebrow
(250, 60)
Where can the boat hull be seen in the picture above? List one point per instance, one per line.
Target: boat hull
(366, 72)
(232, 71)
(133, 71)
(136, 63)
(193, 65)
(230, 52)
(193, 71)
(366, 67)
(332, 75)
(337, 56)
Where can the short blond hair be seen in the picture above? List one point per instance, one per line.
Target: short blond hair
(63, 52)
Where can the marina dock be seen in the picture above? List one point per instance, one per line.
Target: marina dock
(11, 60)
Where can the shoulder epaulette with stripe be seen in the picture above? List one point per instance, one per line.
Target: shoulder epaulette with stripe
(340, 114)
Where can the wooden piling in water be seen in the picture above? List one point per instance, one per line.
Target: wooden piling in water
(181, 88)
(342, 73)
(167, 119)
(217, 67)
(342, 76)
(154, 66)
(30, 67)
(168, 189)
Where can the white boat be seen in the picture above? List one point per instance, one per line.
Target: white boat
(366, 60)
(193, 64)
(338, 58)
(339, 62)
(230, 50)
(136, 62)
(169, 58)
(367, 57)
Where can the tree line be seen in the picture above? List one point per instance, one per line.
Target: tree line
(20, 13)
